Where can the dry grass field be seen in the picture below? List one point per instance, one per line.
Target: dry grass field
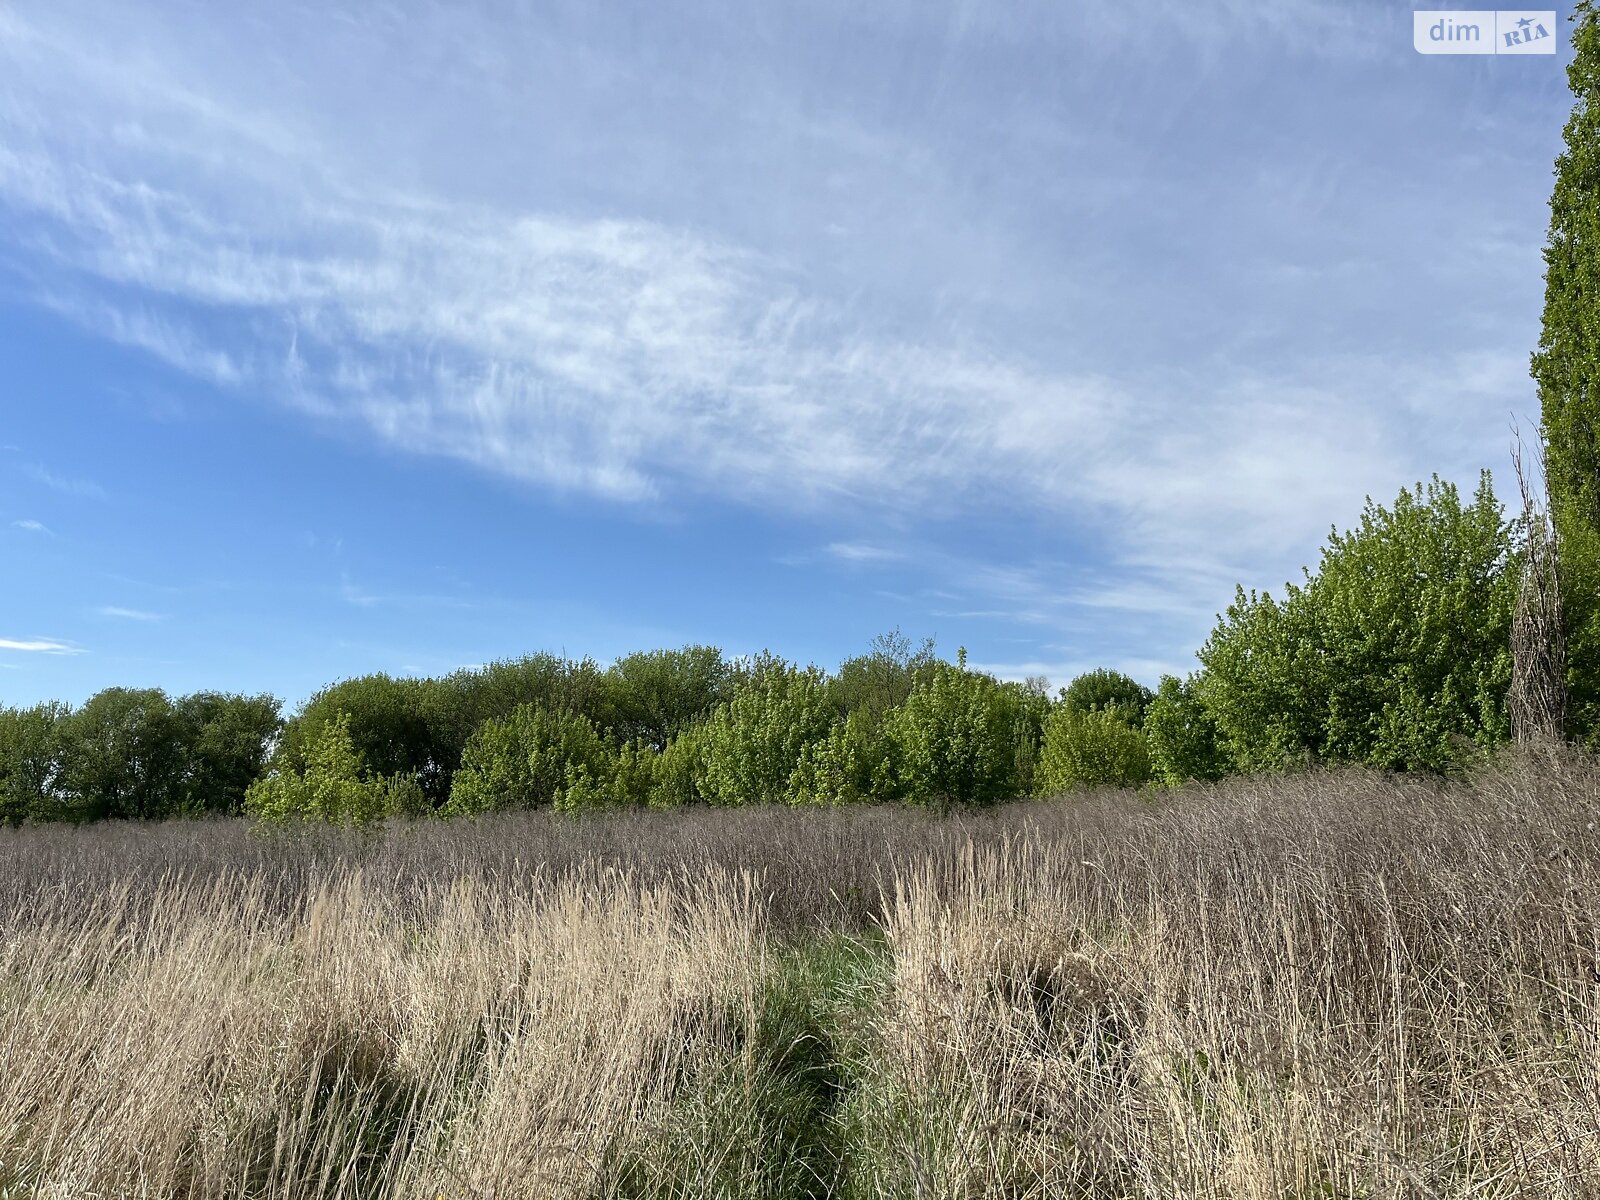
(1323, 985)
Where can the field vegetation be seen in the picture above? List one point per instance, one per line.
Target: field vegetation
(1330, 984)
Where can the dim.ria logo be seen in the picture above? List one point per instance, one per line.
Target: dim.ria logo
(1483, 31)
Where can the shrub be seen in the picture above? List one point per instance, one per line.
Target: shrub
(954, 739)
(1182, 737)
(633, 774)
(1395, 652)
(535, 758)
(676, 771)
(1105, 688)
(846, 766)
(1087, 748)
(332, 786)
(1032, 710)
(753, 744)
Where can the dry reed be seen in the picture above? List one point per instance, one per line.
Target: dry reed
(1324, 985)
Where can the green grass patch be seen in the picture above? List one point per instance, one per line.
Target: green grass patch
(761, 1121)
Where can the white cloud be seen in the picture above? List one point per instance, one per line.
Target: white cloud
(351, 594)
(39, 646)
(127, 614)
(863, 552)
(65, 484)
(31, 526)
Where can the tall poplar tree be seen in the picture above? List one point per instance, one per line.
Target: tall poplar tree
(1566, 368)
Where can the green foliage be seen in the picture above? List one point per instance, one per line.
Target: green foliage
(1104, 689)
(847, 766)
(397, 727)
(954, 739)
(657, 694)
(1181, 735)
(420, 727)
(1396, 653)
(121, 756)
(633, 775)
(1031, 710)
(536, 758)
(1579, 544)
(332, 786)
(30, 762)
(133, 753)
(676, 771)
(225, 740)
(1263, 682)
(1566, 368)
(753, 744)
(571, 684)
(881, 679)
(1091, 747)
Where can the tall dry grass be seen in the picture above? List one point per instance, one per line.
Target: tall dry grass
(1340, 986)
(466, 1043)
(1327, 985)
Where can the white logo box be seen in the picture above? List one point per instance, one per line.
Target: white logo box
(1484, 31)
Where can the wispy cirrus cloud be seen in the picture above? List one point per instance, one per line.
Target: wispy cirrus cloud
(40, 646)
(118, 613)
(28, 525)
(863, 552)
(67, 485)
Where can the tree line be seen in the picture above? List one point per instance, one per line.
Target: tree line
(1395, 652)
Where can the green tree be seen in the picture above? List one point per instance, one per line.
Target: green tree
(122, 755)
(1091, 747)
(752, 744)
(676, 772)
(536, 758)
(656, 694)
(493, 691)
(30, 761)
(846, 766)
(1396, 653)
(1031, 709)
(225, 741)
(954, 740)
(633, 775)
(882, 678)
(397, 727)
(1101, 689)
(1263, 680)
(332, 785)
(1182, 737)
(1566, 368)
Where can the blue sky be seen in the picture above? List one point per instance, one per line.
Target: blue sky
(410, 336)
